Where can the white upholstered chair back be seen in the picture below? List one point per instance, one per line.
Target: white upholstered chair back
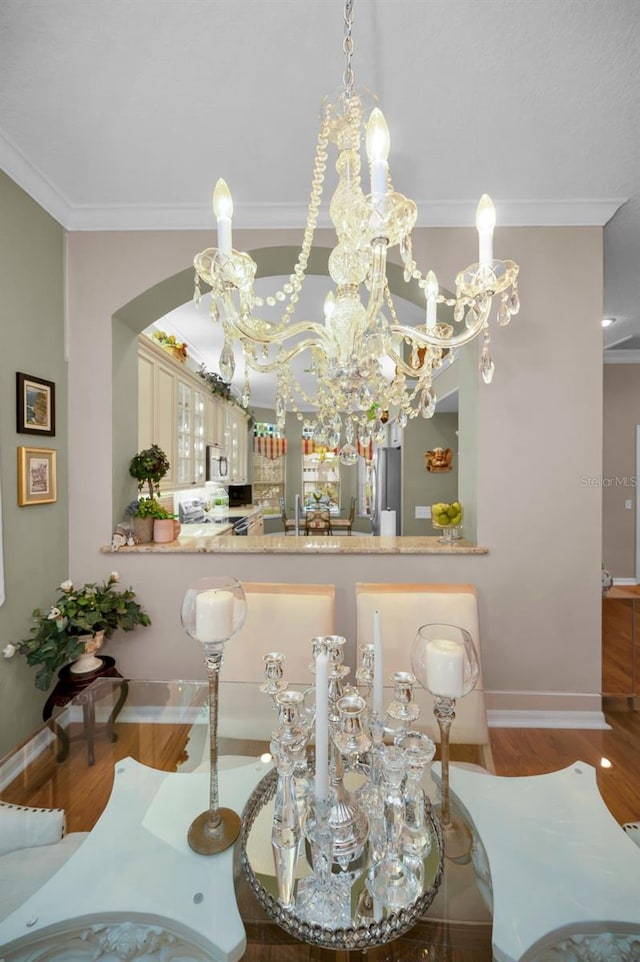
(403, 609)
(280, 617)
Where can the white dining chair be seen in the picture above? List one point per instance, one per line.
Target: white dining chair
(280, 617)
(403, 609)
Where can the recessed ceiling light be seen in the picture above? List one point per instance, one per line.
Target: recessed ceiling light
(607, 321)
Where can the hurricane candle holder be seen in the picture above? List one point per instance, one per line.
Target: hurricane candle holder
(445, 662)
(213, 611)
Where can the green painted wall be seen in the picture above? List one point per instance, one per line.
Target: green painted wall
(35, 538)
(419, 486)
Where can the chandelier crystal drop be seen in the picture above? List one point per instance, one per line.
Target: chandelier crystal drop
(368, 368)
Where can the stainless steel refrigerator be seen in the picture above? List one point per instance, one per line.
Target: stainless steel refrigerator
(386, 489)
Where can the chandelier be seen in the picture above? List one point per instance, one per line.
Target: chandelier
(367, 367)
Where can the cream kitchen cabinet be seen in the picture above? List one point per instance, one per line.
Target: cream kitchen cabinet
(236, 443)
(156, 407)
(190, 434)
(178, 413)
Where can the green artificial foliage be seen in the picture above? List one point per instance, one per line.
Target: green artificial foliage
(55, 635)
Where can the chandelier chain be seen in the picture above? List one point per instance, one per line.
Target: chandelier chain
(347, 46)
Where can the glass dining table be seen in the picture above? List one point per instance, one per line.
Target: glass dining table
(123, 885)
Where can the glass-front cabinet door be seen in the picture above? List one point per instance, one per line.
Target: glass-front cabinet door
(190, 434)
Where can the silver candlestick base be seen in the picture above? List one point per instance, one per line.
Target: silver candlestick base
(216, 829)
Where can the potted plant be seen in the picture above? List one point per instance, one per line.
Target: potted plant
(148, 467)
(76, 626)
(145, 513)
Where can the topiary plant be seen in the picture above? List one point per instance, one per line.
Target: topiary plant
(149, 467)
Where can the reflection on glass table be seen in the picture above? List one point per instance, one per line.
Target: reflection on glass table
(137, 843)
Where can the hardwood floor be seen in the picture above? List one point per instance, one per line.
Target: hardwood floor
(516, 751)
(535, 751)
(620, 650)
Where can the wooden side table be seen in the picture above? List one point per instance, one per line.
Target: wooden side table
(81, 687)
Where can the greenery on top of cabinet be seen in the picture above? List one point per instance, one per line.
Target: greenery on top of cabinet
(220, 387)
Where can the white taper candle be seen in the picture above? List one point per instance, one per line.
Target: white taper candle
(322, 726)
(377, 666)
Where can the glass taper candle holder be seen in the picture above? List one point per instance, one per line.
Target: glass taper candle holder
(445, 662)
(213, 611)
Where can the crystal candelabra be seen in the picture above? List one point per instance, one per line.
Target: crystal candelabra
(367, 367)
(445, 663)
(213, 611)
(367, 812)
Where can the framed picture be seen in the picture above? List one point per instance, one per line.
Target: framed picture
(36, 476)
(35, 405)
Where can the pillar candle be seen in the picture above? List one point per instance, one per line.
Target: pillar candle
(377, 666)
(445, 668)
(322, 726)
(214, 615)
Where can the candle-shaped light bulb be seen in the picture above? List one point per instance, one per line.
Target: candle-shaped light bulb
(378, 140)
(223, 209)
(329, 308)
(378, 143)
(431, 290)
(485, 223)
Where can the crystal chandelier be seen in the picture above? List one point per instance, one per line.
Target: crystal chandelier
(367, 366)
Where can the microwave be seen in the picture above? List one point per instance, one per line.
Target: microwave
(217, 463)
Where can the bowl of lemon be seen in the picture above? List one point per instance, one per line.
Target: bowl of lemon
(448, 519)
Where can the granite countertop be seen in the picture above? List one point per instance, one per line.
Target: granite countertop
(221, 543)
(217, 526)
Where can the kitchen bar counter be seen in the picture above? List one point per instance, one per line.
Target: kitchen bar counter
(220, 543)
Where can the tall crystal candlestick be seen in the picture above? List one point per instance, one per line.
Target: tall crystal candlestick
(213, 610)
(377, 666)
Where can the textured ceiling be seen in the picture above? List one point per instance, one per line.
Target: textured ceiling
(123, 113)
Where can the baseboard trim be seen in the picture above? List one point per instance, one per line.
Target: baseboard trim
(22, 759)
(625, 582)
(514, 718)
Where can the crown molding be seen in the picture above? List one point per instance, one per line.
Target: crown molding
(621, 357)
(31, 179)
(453, 213)
(593, 212)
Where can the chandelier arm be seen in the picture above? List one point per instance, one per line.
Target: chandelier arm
(282, 359)
(378, 280)
(281, 334)
(424, 339)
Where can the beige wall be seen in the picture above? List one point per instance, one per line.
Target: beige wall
(621, 393)
(35, 537)
(539, 429)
